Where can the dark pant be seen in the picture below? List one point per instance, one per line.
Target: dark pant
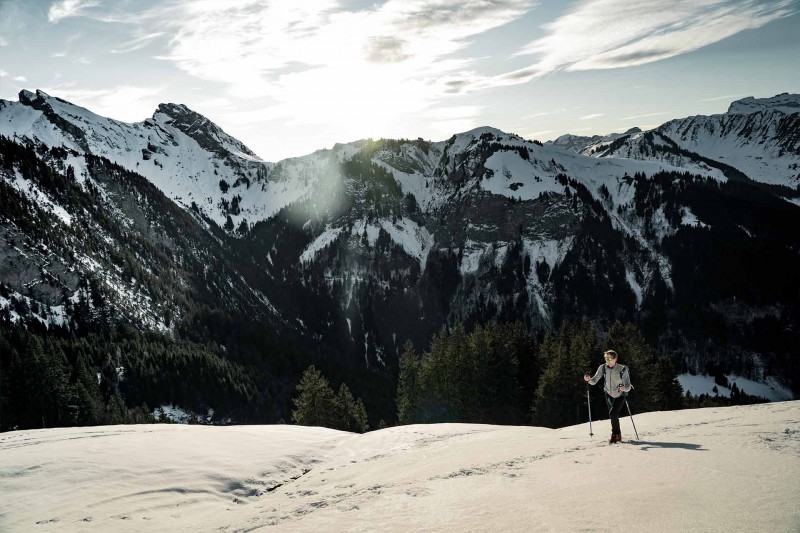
(614, 407)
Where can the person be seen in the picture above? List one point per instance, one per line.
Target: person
(617, 383)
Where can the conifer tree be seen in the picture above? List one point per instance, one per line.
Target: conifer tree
(560, 395)
(636, 354)
(408, 385)
(438, 392)
(350, 413)
(315, 404)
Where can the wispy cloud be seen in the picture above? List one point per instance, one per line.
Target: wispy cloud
(546, 113)
(590, 117)
(723, 97)
(634, 117)
(603, 34)
(3, 41)
(136, 44)
(325, 61)
(537, 133)
(69, 8)
(21, 79)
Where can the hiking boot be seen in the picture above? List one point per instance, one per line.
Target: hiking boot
(615, 438)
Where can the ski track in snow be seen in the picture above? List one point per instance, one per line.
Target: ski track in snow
(718, 469)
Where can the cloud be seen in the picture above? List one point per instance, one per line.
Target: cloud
(604, 34)
(535, 134)
(723, 97)
(125, 102)
(69, 8)
(3, 41)
(324, 61)
(21, 79)
(634, 117)
(386, 49)
(546, 113)
(136, 44)
(3, 73)
(590, 117)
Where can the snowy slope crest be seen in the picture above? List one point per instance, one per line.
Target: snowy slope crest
(757, 137)
(184, 154)
(691, 471)
(784, 103)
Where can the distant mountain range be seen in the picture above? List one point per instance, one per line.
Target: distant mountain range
(687, 230)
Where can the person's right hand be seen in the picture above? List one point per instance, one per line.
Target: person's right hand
(586, 378)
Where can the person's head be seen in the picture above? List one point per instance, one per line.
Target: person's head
(611, 357)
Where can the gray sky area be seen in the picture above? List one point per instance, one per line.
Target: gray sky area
(287, 78)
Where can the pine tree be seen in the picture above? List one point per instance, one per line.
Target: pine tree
(315, 404)
(408, 385)
(560, 395)
(438, 390)
(350, 413)
(637, 355)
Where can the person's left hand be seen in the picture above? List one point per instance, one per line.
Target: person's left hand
(621, 388)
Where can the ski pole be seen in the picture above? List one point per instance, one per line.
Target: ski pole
(629, 414)
(589, 403)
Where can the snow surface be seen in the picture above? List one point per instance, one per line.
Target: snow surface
(703, 384)
(720, 469)
(38, 197)
(413, 238)
(174, 162)
(515, 177)
(785, 103)
(319, 244)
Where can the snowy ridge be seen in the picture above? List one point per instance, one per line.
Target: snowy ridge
(323, 240)
(31, 191)
(756, 136)
(784, 102)
(574, 143)
(692, 471)
(158, 148)
(697, 385)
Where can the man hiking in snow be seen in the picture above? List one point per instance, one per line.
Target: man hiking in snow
(617, 384)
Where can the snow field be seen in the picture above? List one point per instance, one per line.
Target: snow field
(702, 384)
(720, 469)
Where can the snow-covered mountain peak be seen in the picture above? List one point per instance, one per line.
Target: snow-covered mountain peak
(28, 97)
(188, 157)
(481, 130)
(42, 101)
(487, 133)
(201, 129)
(784, 103)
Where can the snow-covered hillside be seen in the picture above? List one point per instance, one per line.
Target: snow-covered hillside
(584, 144)
(721, 469)
(181, 152)
(757, 136)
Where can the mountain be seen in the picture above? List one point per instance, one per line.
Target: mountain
(253, 270)
(692, 470)
(589, 145)
(186, 156)
(760, 138)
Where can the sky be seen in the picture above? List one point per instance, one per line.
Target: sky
(288, 78)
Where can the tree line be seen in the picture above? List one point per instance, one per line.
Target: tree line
(499, 374)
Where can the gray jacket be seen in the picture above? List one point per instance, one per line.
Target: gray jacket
(616, 376)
